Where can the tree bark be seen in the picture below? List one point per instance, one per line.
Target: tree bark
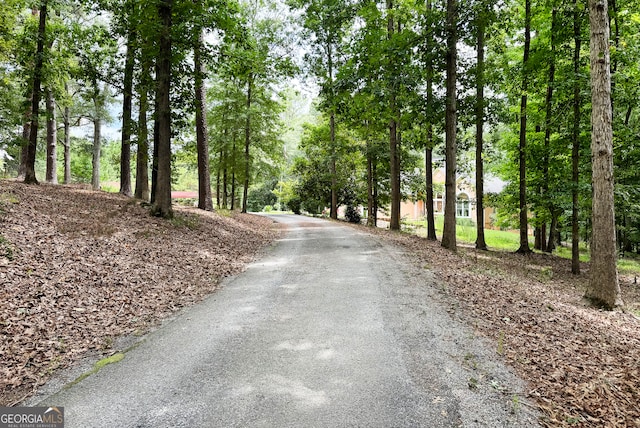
(449, 231)
(333, 210)
(51, 175)
(67, 142)
(202, 143)
(394, 152)
(30, 161)
(431, 221)
(127, 122)
(161, 206)
(370, 217)
(142, 157)
(97, 139)
(480, 241)
(247, 142)
(522, 148)
(603, 288)
(575, 149)
(547, 136)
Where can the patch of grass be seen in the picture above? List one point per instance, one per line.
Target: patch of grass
(6, 249)
(629, 266)
(224, 212)
(8, 198)
(565, 252)
(466, 232)
(98, 366)
(189, 221)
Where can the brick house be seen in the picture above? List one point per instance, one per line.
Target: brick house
(465, 195)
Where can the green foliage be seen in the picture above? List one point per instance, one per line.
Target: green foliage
(262, 195)
(352, 214)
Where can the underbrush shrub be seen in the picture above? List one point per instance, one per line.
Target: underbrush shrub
(352, 215)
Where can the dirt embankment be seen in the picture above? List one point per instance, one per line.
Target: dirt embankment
(80, 268)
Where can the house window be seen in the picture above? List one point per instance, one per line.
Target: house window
(462, 206)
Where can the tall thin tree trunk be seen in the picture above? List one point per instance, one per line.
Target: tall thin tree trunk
(52, 137)
(67, 141)
(30, 164)
(431, 222)
(394, 152)
(369, 182)
(449, 231)
(575, 137)
(97, 139)
(547, 135)
(162, 204)
(553, 231)
(24, 148)
(247, 142)
(333, 210)
(603, 288)
(375, 192)
(233, 173)
(480, 241)
(218, 178)
(142, 156)
(127, 122)
(202, 143)
(522, 149)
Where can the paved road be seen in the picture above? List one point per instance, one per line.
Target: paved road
(330, 329)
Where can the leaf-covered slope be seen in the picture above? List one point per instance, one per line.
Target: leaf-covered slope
(79, 268)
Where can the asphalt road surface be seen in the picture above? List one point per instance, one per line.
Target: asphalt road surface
(331, 328)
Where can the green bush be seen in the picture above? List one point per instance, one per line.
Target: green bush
(352, 215)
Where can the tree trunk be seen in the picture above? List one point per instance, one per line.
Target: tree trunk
(394, 154)
(26, 128)
(30, 164)
(127, 123)
(52, 137)
(553, 232)
(142, 157)
(97, 137)
(333, 210)
(233, 174)
(449, 231)
(370, 218)
(202, 143)
(522, 149)
(431, 221)
(549, 247)
(480, 241)
(603, 288)
(162, 204)
(575, 149)
(247, 141)
(67, 143)
(375, 192)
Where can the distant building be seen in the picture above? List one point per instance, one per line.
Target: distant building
(465, 199)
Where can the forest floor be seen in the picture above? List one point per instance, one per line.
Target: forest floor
(79, 269)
